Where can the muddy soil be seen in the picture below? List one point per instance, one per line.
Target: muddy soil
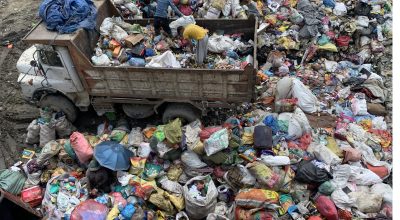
(17, 18)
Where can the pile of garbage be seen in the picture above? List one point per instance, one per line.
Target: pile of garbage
(314, 145)
(123, 44)
(224, 9)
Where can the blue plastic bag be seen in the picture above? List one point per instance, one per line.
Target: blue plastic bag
(128, 211)
(138, 62)
(271, 122)
(329, 3)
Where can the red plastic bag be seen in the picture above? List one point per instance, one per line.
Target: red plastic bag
(89, 210)
(343, 41)
(314, 218)
(327, 208)
(381, 171)
(186, 10)
(207, 132)
(81, 146)
(33, 196)
(345, 215)
(305, 141)
(253, 214)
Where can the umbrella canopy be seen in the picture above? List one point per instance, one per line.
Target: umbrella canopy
(112, 155)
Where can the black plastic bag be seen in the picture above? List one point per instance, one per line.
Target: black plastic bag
(309, 173)
(262, 137)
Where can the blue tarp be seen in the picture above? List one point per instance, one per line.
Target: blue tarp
(67, 16)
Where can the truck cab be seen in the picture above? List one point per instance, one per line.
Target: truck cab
(56, 71)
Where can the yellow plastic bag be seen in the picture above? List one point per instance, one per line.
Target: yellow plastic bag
(199, 148)
(332, 145)
(160, 200)
(177, 200)
(218, 4)
(271, 19)
(114, 212)
(124, 140)
(174, 172)
(328, 47)
(289, 44)
(247, 138)
(137, 165)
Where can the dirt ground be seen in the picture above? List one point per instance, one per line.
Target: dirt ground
(17, 18)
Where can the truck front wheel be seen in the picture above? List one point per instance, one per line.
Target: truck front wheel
(183, 111)
(60, 103)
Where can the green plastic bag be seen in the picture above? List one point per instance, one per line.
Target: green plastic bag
(173, 131)
(159, 133)
(326, 188)
(12, 181)
(117, 135)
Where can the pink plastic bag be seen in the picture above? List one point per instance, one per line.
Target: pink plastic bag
(207, 132)
(327, 208)
(81, 146)
(186, 10)
(89, 210)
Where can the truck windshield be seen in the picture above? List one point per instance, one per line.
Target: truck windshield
(50, 58)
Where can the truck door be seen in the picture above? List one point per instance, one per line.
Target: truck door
(57, 75)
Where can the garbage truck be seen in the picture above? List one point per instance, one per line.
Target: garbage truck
(56, 72)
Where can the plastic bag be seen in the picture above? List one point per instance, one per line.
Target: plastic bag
(135, 137)
(307, 101)
(257, 198)
(192, 160)
(12, 181)
(323, 154)
(226, 11)
(33, 196)
(263, 174)
(181, 22)
(173, 131)
(47, 133)
(109, 28)
(340, 9)
(171, 186)
(384, 190)
(216, 142)
(359, 104)
(308, 172)
(351, 155)
(81, 146)
(48, 151)
(262, 137)
(220, 44)
(379, 123)
(326, 188)
(212, 13)
(198, 209)
(63, 127)
(144, 150)
(327, 208)
(270, 160)
(32, 137)
(90, 210)
(371, 205)
(165, 60)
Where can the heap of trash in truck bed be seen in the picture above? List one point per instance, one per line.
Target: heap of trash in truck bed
(124, 44)
(314, 145)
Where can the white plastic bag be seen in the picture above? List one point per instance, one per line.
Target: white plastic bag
(270, 160)
(192, 132)
(192, 160)
(379, 123)
(47, 133)
(306, 100)
(284, 88)
(323, 154)
(165, 60)
(101, 60)
(32, 137)
(367, 202)
(144, 150)
(109, 28)
(226, 11)
(342, 200)
(216, 142)
(212, 13)
(199, 209)
(362, 21)
(364, 177)
(359, 104)
(384, 190)
(331, 66)
(340, 9)
(135, 138)
(182, 21)
(171, 186)
(220, 44)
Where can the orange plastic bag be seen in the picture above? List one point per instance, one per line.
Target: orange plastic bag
(81, 146)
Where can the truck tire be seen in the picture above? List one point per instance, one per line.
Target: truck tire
(60, 103)
(184, 111)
